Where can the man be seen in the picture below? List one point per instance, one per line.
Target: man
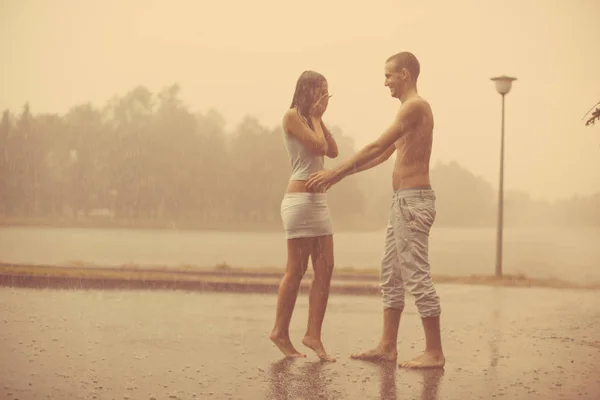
(405, 261)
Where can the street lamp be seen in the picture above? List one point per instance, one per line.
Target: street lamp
(503, 85)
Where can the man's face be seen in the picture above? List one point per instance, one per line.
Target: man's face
(394, 79)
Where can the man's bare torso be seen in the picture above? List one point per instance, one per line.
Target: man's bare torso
(414, 151)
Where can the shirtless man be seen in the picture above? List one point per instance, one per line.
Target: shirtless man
(405, 261)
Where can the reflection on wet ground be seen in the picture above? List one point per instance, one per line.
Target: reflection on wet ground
(313, 380)
(499, 343)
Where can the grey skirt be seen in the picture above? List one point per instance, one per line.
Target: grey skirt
(305, 215)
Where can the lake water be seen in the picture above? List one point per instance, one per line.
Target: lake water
(572, 255)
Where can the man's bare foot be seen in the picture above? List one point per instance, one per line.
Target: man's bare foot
(380, 353)
(285, 345)
(317, 346)
(425, 360)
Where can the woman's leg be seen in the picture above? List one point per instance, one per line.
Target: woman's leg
(322, 259)
(298, 252)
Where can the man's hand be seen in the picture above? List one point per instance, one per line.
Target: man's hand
(322, 180)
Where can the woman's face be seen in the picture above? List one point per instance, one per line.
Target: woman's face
(321, 91)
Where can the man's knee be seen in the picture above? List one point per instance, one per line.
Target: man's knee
(428, 304)
(393, 297)
(393, 303)
(430, 311)
(426, 299)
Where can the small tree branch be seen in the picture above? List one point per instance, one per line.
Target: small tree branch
(597, 104)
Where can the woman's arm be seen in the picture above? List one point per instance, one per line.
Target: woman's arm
(332, 148)
(314, 140)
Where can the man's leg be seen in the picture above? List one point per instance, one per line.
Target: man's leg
(417, 275)
(392, 290)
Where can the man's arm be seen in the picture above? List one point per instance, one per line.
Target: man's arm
(408, 114)
(373, 163)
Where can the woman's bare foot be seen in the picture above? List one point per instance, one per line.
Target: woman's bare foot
(317, 346)
(425, 360)
(379, 353)
(285, 345)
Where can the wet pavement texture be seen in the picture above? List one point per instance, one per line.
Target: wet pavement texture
(512, 343)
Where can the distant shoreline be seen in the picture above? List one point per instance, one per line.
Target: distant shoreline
(190, 224)
(227, 279)
(163, 224)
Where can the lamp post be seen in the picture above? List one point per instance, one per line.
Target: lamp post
(503, 85)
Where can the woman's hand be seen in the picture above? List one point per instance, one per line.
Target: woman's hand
(318, 108)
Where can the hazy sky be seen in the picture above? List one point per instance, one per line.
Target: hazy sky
(243, 58)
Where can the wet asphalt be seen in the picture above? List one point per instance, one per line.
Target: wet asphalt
(511, 343)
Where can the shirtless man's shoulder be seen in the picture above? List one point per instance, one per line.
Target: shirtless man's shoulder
(413, 111)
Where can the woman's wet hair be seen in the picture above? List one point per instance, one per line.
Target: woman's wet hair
(303, 95)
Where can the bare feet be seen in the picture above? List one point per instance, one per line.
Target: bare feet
(425, 360)
(317, 346)
(380, 353)
(286, 346)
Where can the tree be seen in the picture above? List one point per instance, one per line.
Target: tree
(130, 118)
(464, 199)
(6, 126)
(84, 155)
(214, 176)
(53, 156)
(260, 169)
(346, 200)
(21, 166)
(145, 158)
(594, 114)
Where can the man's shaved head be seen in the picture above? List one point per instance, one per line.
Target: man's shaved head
(406, 60)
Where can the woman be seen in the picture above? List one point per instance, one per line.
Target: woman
(305, 214)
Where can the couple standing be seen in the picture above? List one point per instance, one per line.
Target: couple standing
(308, 226)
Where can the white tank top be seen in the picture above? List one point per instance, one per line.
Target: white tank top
(304, 162)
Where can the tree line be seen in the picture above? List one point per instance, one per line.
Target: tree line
(145, 159)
